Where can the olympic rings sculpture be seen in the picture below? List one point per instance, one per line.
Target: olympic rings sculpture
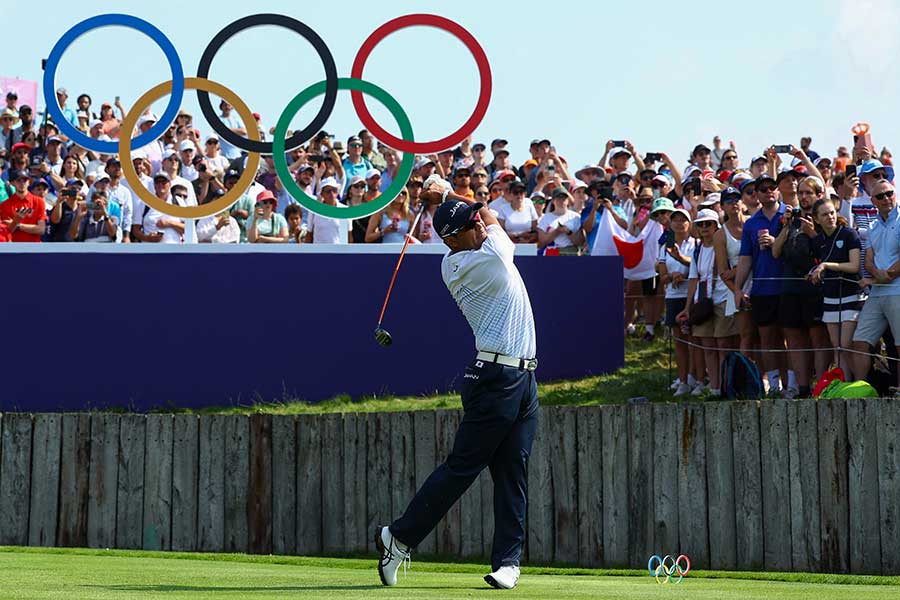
(663, 568)
(357, 86)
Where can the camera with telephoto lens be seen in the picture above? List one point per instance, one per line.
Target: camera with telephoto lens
(70, 192)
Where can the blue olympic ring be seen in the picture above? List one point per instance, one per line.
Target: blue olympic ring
(159, 128)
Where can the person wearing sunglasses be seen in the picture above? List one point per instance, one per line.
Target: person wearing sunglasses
(355, 196)
(153, 226)
(266, 225)
(391, 224)
(328, 230)
(756, 256)
(354, 163)
(882, 310)
(519, 218)
(864, 210)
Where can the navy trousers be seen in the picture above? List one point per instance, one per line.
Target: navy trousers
(500, 417)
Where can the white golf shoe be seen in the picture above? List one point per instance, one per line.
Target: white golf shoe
(393, 554)
(504, 578)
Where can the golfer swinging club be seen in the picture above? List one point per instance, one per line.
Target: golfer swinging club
(499, 393)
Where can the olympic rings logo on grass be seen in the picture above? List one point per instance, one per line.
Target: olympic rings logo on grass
(357, 86)
(663, 568)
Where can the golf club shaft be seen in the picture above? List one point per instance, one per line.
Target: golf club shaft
(397, 268)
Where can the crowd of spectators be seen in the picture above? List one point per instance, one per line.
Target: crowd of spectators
(790, 256)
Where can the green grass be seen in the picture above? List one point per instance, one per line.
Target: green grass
(645, 374)
(65, 574)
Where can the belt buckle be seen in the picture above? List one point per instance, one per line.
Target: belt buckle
(531, 364)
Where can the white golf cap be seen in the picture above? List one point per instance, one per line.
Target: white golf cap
(151, 118)
(330, 182)
(212, 137)
(706, 214)
(617, 151)
(186, 145)
(711, 199)
(373, 173)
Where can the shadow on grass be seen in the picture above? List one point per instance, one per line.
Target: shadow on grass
(266, 589)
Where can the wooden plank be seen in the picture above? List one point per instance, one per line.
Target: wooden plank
(833, 485)
(211, 484)
(309, 486)
(666, 451)
(889, 485)
(720, 486)
(130, 482)
(46, 447)
(693, 527)
(237, 482)
(158, 483)
(564, 471)
(806, 531)
(74, 480)
(776, 486)
(185, 478)
(640, 483)
(614, 423)
(747, 486)
(15, 479)
(403, 464)
(332, 484)
(590, 486)
(862, 442)
(284, 484)
(259, 499)
(424, 424)
(356, 535)
(540, 536)
(448, 529)
(101, 531)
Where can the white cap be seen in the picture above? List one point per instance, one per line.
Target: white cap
(579, 184)
(617, 151)
(100, 176)
(162, 174)
(690, 171)
(330, 182)
(186, 145)
(711, 199)
(373, 173)
(168, 153)
(435, 178)
(706, 214)
(151, 118)
(94, 123)
(212, 136)
(356, 179)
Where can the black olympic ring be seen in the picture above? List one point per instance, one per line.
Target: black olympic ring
(331, 81)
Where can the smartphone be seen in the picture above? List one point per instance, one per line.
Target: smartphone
(93, 206)
(670, 239)
(653, 157)
(606, 192)
(618, 143)
(694, 186)
(850, 170)
(783, 148)
(551, 169)
(70, 193)
(553, 149)
(118, 99)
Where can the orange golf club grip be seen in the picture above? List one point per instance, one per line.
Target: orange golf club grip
(397, 268)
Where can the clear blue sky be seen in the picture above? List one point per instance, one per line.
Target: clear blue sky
(665, 75)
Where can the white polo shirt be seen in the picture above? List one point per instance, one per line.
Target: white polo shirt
(490, 292)
(326, 230)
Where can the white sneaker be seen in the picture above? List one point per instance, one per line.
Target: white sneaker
(630, 329)
(682, 390)
(790, 393)
(393, 554)
(675, 384)
(504, 578)
(698, 390)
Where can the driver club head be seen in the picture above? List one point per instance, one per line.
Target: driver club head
(383, 337)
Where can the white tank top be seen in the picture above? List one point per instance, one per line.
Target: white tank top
(733, 246)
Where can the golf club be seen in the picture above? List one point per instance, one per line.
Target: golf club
(381, 334)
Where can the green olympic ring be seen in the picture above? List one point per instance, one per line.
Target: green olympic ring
(310, 203)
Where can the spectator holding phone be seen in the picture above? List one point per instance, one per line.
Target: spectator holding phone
(266, 225)
(23, 214)
(328, 230)
(837, 247)
(560, 231)
(92, 223)
(674, 267)
(801, 303)
(64, 210)
(727, 242)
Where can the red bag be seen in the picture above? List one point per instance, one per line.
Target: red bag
(835, 374)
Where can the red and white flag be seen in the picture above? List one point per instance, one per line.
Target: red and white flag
(26, 91)
(639, 252)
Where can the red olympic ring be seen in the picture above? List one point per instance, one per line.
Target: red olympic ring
(484, 70)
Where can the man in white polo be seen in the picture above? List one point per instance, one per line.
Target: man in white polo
(499, 391)
(327, 230)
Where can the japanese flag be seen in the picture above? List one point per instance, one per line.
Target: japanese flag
(639, 252)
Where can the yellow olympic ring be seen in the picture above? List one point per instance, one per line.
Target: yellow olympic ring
(188, 212)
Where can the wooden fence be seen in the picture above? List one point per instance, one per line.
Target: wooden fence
(804, 486)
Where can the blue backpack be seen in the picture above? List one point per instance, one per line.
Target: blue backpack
(740, 378)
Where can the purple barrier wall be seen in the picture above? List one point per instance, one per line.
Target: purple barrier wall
(89, 330)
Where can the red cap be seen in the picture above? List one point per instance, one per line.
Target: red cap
(801, 169)
(256, 116)
(724, 175)
(267, 195)
(20, 146)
